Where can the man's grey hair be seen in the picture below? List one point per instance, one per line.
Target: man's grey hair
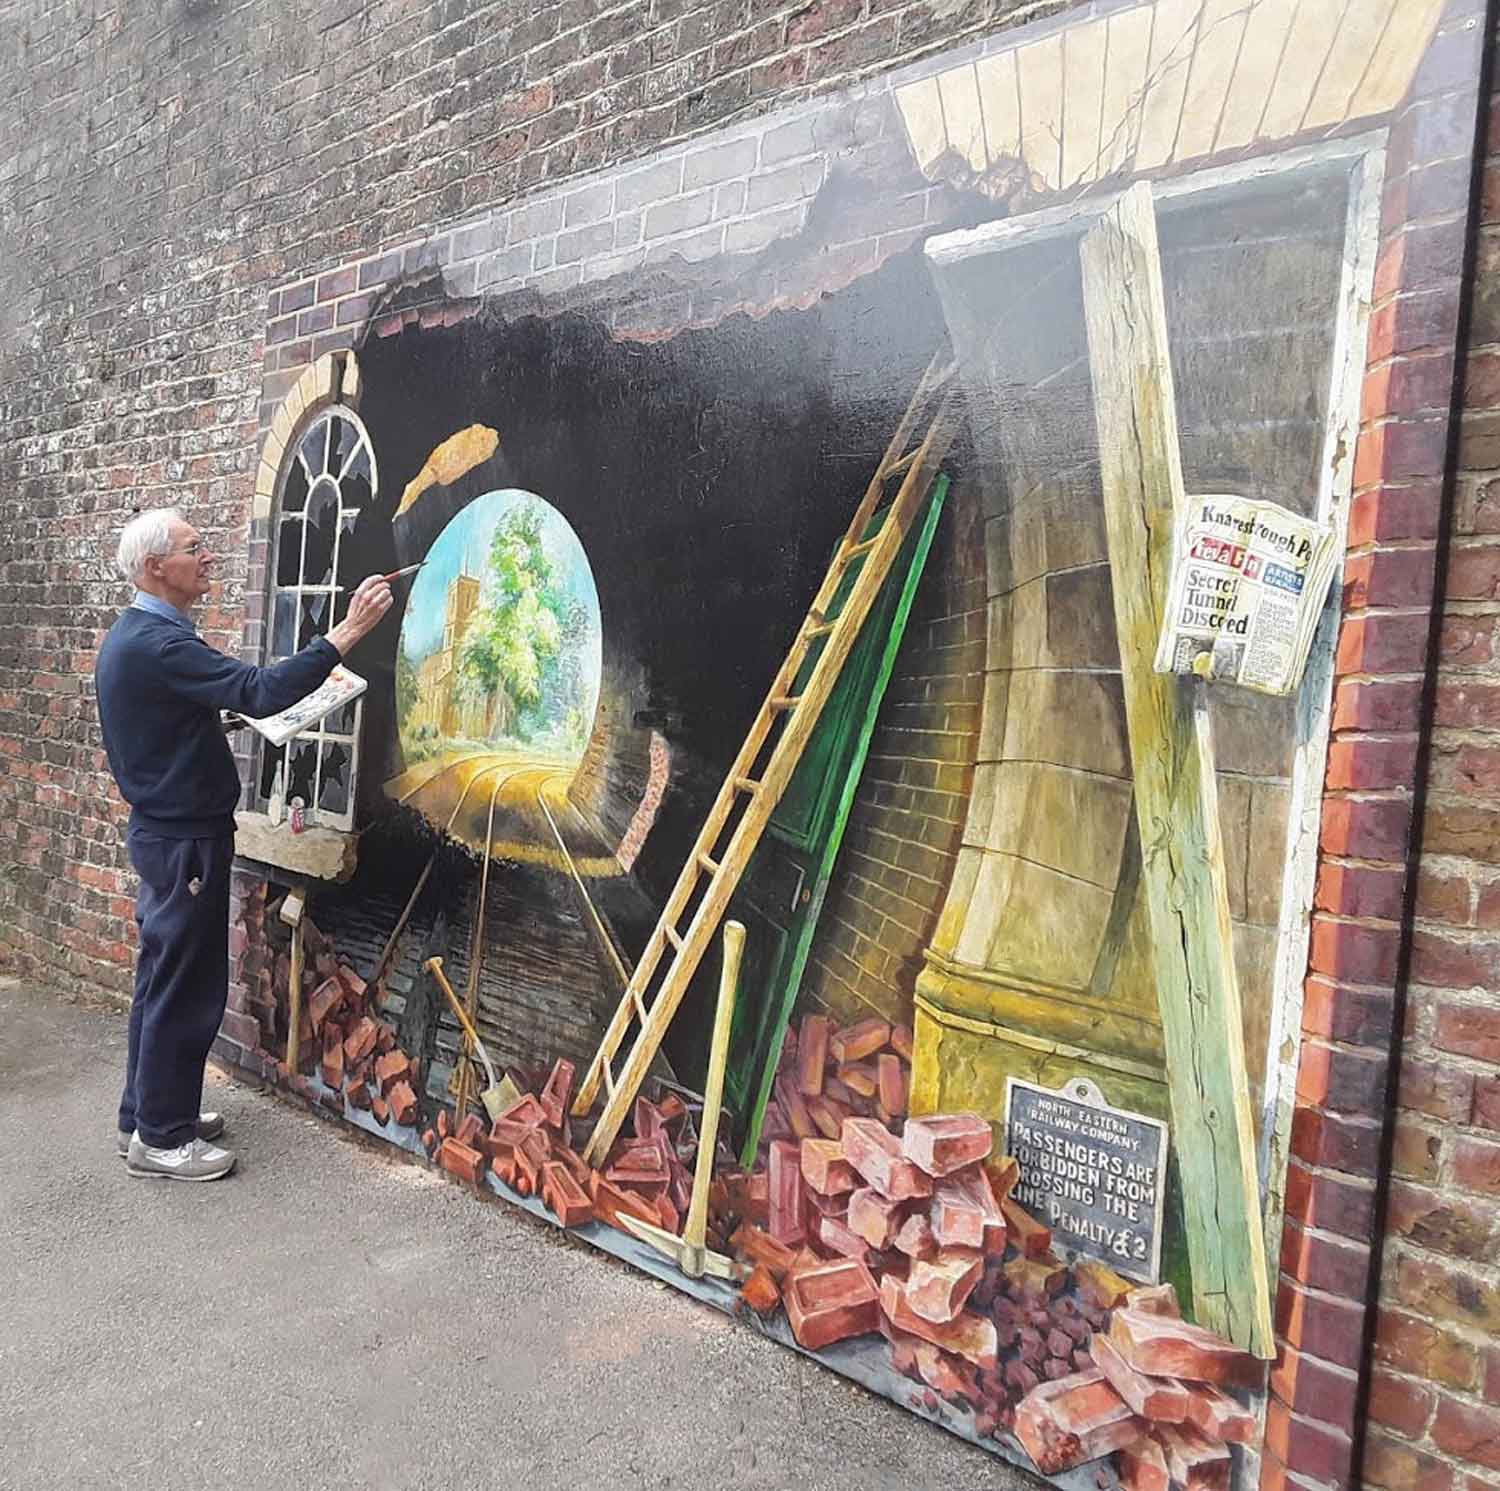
(148, 534)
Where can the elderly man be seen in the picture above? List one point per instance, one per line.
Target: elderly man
(160, 689)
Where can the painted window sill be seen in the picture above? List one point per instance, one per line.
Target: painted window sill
(317, 853)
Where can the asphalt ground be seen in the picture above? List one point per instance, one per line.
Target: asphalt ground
(334, 1316)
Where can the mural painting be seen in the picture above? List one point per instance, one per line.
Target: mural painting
(768, 844)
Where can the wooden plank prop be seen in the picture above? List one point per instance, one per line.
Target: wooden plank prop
(1176, 794)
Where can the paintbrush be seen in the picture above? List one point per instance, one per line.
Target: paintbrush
(410, 569)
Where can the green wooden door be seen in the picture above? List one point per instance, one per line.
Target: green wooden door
(781, 895)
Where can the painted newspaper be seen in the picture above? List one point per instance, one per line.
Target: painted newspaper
(1248, 582)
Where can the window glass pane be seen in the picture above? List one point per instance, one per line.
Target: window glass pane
(333, 795)
(284, 624)
(270, 759)
(304, 761)
(344, 438)
(314, 449)
(314, 618)
(294, 493)
(289, 552)
(358, 472)
(340, 606)
(322, 521)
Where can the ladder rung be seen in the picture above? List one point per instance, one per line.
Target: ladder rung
(711, 865)
(785, 701)
(609, 1080)
(640, 1004)
(670, 933)
(820, 630)
(856, 550)
(744, 784)
(898, 466)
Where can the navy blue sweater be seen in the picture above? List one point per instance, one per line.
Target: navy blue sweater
(160, 689)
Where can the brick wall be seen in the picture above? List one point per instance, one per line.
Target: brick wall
(908, 814)
(1435, 1392)
(178, 166)
(175, 166)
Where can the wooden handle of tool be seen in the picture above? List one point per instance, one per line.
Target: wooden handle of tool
(294, 1001)
(434, 966)
(696, 1232)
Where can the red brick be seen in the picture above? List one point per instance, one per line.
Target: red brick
(1365, 828)
(1320, 1326)
(1313, 1387)
(1416, 1151)
(1466, 766)
(1393, 1466)
(1315, 1450)
(1486, 1114)
(1377, 704)
(1467, 705)
(1326, 1263)
(1370, 764)
(1476, 1165)
(1491, 1385)
(458, 1159)
(1473, 572)
(1467, 829)
(1336, 1143)
(1383, 643)
(1354, 951)
(1400, 1403)
(1467, 640)
(1328, 1204)
(1468, 1431)
(831, 1302)
(1442, 897)
(1389, 577)
(1487, 912)
(1346, 1081)
(943, 1143)
(1436, 1088)
(1451, 1295)
(1360, 1017)
(1388, 514)
(1417, 1346)
(1446, 962)
(971, 1336)
(1365, 891)
(1469, 1030)
(1444, 1222)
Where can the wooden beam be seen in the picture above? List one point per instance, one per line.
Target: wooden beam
(1176, 792)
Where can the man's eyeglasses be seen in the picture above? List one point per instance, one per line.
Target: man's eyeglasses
(196, 547)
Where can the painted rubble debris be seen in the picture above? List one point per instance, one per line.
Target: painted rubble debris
(856, 1222)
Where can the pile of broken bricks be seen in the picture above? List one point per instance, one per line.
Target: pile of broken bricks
(910, 1230)
(343, 1039)
(857, 1221)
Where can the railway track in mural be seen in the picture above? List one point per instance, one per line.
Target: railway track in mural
(543, 852)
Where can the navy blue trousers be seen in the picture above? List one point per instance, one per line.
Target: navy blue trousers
(181, 981)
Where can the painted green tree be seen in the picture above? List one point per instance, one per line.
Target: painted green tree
(516, 643)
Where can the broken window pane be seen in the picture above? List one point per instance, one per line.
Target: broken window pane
(270, 759)
(304, 759)
(341, 721)
(289, 552)
(294, 493)
(284, 624)
(333, 795)
(314, 449)
(314, 617)
(344, 438)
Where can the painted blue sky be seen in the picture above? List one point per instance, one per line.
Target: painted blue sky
(464, 545)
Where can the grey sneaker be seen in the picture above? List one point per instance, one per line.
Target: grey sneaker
(195, 1160)
(210, 1126)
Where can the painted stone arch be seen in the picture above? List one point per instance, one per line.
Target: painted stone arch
(333, 379)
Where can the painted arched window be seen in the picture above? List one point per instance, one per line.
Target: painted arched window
(329, 480)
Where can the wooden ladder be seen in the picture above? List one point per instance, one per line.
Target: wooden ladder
(656, 988)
